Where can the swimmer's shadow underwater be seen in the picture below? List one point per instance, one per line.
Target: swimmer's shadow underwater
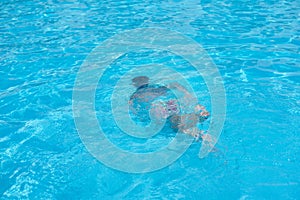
(159, 103)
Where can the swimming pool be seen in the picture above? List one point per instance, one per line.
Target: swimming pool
(254, 44)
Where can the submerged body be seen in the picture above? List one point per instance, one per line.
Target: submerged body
(163, 105)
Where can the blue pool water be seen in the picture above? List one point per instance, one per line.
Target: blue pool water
(254, 44)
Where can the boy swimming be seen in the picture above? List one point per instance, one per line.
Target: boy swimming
(162, 108)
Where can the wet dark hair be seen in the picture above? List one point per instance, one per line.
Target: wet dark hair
(140, 79)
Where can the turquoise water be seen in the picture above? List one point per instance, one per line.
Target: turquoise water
(254, 44)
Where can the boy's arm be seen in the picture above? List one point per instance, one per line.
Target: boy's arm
(179, 87)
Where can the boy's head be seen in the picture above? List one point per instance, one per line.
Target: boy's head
(140, 81)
